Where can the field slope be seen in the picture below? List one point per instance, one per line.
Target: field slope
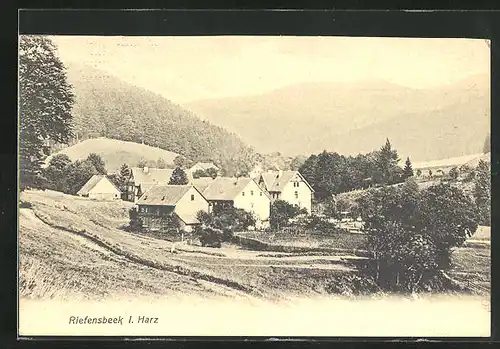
(115, 152)
(80, 242)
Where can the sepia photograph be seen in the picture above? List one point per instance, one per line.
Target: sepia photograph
(236, 185)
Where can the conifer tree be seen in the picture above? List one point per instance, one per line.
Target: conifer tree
(408, 170)
(178, 177)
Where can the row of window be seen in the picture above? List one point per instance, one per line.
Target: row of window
(251, 193)
(277, 195)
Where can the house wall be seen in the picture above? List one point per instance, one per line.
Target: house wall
(258, 203)
(303, 198)
(154, 217)
(104, 190)
(190, 207)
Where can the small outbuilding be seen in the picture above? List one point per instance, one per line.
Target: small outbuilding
(99, 187)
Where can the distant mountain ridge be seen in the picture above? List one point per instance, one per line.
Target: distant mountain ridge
(111, 108)
(349, 118)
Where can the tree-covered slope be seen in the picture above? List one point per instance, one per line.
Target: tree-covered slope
(111, 108)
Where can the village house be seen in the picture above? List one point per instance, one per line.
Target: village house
(242, 193)
(161, 202)
(99, 187)
(143, 178)
(203, 166)
(289, 186)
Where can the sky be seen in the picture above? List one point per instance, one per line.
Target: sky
(185, 69)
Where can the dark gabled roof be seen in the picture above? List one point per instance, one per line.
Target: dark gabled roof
(152, 176)
(163, 194)
(202, 183)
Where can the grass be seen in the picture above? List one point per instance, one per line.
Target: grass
(472, 267)
(115, 152)
(58, 264)
(71, 246)
(310, 239)
(99, 225)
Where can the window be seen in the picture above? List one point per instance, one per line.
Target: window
(242, 193)
(296, 194)
(260, 193)
(192, 197)
(251, 192)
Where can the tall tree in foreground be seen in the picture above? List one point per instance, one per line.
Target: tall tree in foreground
(45, 103)
(178, 177)
(408, 170)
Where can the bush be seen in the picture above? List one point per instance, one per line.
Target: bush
(282, 212)
(318, 224)
(411, 232)
(209, 237)
(135, 223)
(25, 204)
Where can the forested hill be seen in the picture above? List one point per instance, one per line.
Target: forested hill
(109, 107)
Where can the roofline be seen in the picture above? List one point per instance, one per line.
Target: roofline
(171, 185)
(279, 191)
(146, 204)
(306, 182)
(102, 177)
(110, 181)
(184, 220)
(258, 186)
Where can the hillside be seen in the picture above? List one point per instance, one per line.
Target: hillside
(350, 118)
(115, 152)
(112, 108)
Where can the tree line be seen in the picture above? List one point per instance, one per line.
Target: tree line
(49, 114)
(330, 173)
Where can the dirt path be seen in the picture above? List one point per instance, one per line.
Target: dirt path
(29, 219)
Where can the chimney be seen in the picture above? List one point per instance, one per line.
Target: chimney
(146, 169)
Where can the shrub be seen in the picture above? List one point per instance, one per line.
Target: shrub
(25, 204)
(282, 212)
(209, 237)
(411, 232)
(318, 224)
(454, 173)
(135, 223)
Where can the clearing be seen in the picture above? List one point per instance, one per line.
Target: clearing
(116, 153)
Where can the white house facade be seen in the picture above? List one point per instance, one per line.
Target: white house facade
(289, 186)
(99, 187)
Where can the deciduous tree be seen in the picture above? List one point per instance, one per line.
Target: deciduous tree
(411, 231)
(45, 104)
(98, 162)
(282, 212)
